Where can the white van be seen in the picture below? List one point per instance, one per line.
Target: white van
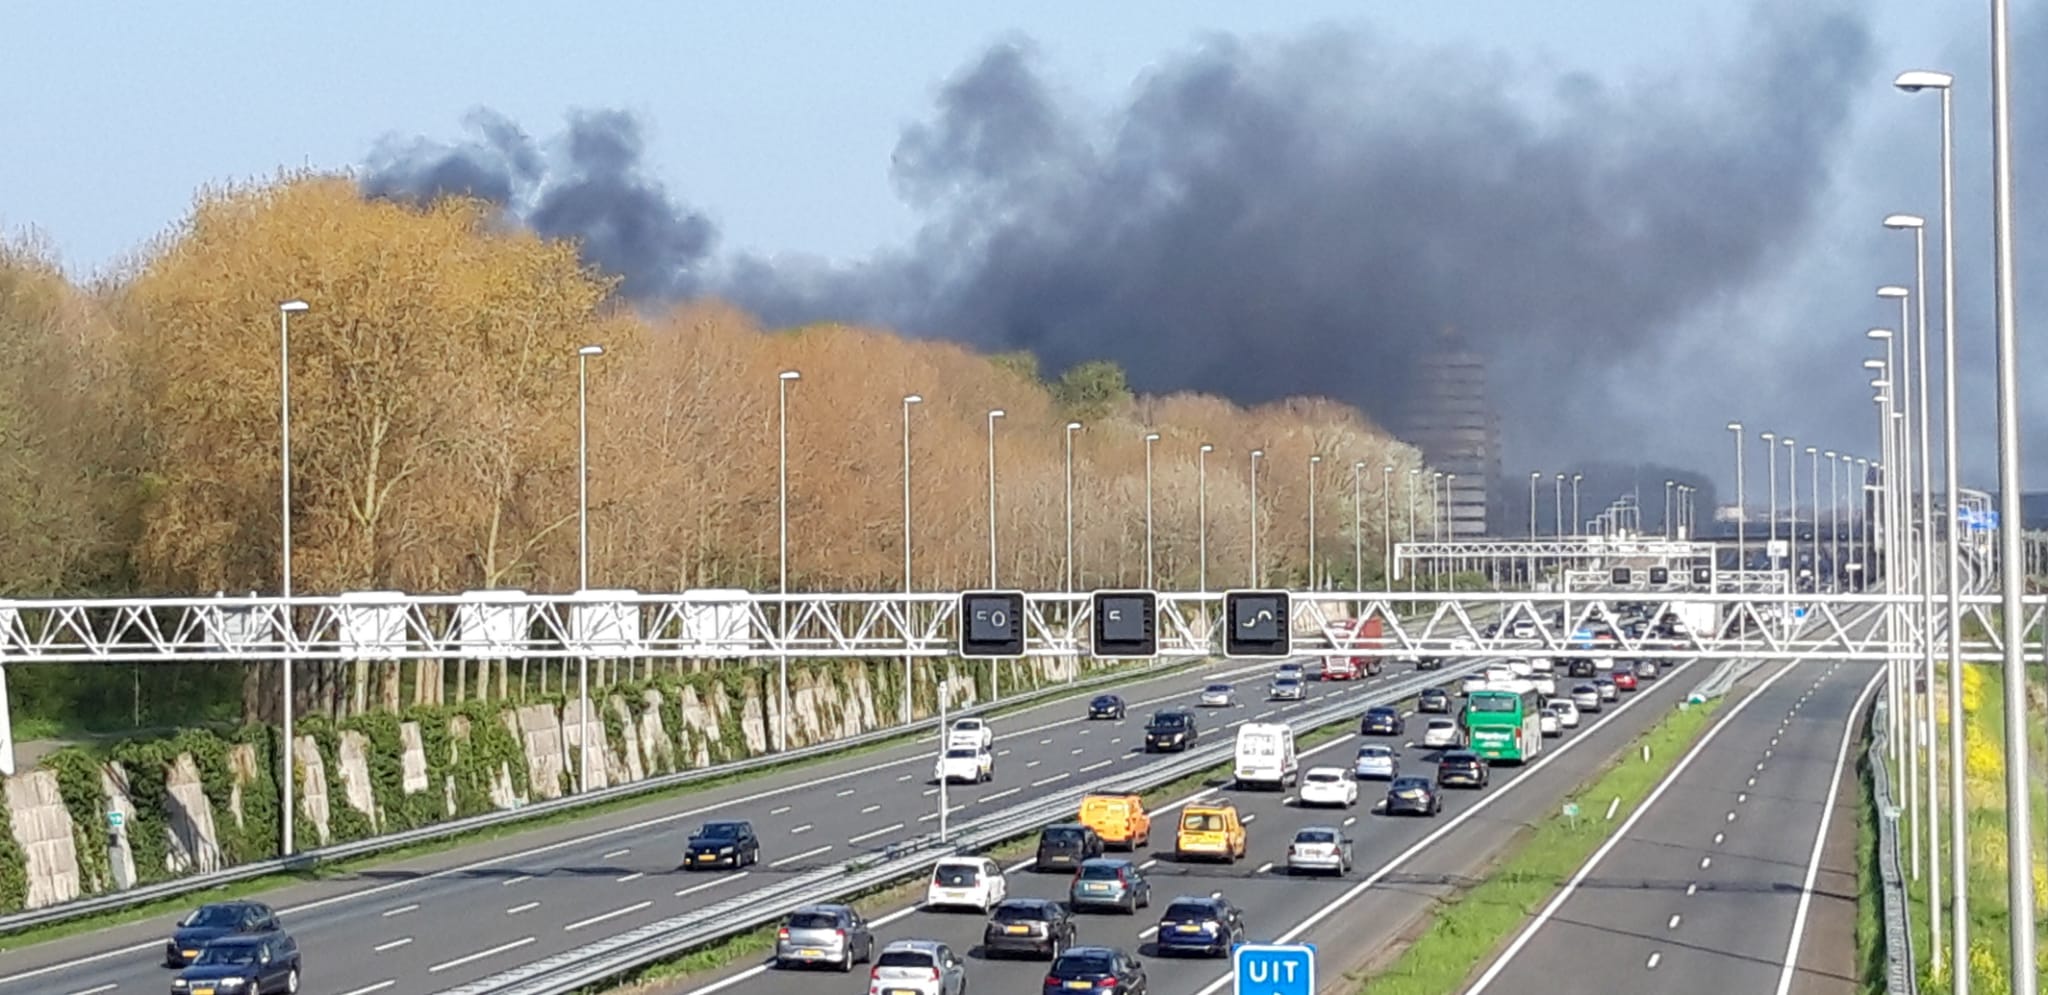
(1265, 756)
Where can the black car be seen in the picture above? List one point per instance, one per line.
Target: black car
(1462, 768)
(1065, 846)
(257, 963)
(1381, 720)
(1106, 706)
(211, 922)
(1429, 663)
(1171, 729)
(1435, 700)
(1413, 795)
(729, 843)
(1032, 926)
(1202, 925)
(1580, 667)
(1100, 971)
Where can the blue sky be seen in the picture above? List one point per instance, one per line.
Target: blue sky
(779, 120)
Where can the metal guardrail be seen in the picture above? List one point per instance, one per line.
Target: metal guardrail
(620, 953)
(1901, 973)
(308, 859)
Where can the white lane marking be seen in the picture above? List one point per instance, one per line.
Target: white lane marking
(1652, 963)
(928, 792)
(365, 990)
(616, 854)
(480, 955)
(1719, 838)
(870, 809)
(1097, 765)
(871, 834)
(849, 791)
(1692, 888)
(1076, 751)
(525, 907)
(401, 910)
(1673, 924)
(1147, 865)
(1349, 819)
(805, 828)
(393, 944)
(1263, 868)
(635, 876)
(1045, 781)
(794, 857)
(1249, 816)
(1147, 931)
(513, 881)
(1741, 796)
(1030, 764)
(1084, 732)
(1115, 740)
(1820, 836)
(1752, 782)
(1045, 742)
(929, 816)
(1620, 833)
(608, 916)
(985, 799)
(638, 828)
(1000, 753)
(693, 889)
(779, 810)
(1731, 817)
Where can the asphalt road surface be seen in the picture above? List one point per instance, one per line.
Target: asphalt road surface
(450, 918)
(1710, 887)
(1472, 824)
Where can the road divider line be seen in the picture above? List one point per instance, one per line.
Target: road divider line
(635, 876)
(365, 990)
(695, 888)
(1820, 837)
(392, 944)
(873, 833)
(616, 854)
(480, 955)
(985, 799)
(523, 907)
(794, 857)
(401, 910)
(513, 881)
(608, 916)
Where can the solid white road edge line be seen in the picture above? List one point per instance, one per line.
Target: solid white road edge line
(1430, 840)
(1620, 833)
(1820, 840)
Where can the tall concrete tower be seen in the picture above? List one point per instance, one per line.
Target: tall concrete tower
(1450, 417)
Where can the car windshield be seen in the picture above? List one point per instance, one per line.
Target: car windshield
(904, 958)
(1460, 759)
(1585, 689)
(967, 725)
(720, 831)
(1286, 682)
(1408, 783)
(1218, 688)
(956, 875)
(1324, 777)
(1090, 965)
(228, 953)
(961, 754)
(1021, 912)
(814, 920)
(213, 917)
(1315, 836)
(1106, 701)
(1441, 724)
(1375, 752)
(1381, 712)
(1189, 911)
(1100, 872)
(1172, 720)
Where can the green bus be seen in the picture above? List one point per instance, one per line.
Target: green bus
(1503, 722)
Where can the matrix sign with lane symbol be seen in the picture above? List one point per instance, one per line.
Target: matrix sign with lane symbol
(1256, 625)
(1126, 625)
(1274, 969)
(991, 625)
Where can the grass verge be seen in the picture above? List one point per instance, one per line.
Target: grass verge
(1870, 952)
(255, 887)
(1469, 926)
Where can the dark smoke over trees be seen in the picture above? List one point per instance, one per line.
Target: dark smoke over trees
(1274, 216)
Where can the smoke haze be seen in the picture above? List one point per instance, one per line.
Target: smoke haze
(1266, 217)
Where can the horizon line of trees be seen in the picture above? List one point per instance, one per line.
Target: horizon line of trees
(434, 393)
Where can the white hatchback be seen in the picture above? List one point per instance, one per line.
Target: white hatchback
(966, 883)
(1328, 786)
(1441, 734)
(1567, 713)
(1548, 724)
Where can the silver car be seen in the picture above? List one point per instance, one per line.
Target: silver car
(1287, 689)
(1319, 848)
(1218, 696)
(921, 967)
(824, 934)
(1442, 734)
(1376, 763)
(1106, 881)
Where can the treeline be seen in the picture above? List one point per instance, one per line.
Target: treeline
(434, 389)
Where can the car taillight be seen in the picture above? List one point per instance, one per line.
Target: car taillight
(840, 933)
(1052, 981)
(935, 973)
(782, 934)
(1122, 877)
(874, 974)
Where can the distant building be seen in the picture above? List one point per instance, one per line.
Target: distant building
(1450, 417)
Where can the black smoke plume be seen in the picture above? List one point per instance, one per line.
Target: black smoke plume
(590, 186)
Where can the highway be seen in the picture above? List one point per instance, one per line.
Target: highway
(443, 920)
(1471, 826)
(1710, 886)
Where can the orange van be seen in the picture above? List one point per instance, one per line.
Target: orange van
(1120, 820)
(1211, 830)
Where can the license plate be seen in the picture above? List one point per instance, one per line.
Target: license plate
(705, 858)
(1018, 931)
(202, 991)
(1083, 985)
(1098, 887)
(902, 991)
(1411, 795)
(1189, 929)
(810, 953)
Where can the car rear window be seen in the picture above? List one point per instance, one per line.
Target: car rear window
(814, 920)
(1082, 966)
(956, 875)
(1100, 872)
(1202, 822)
(1375, 752)
(1169, 720)
(1323, 776)
(904, 958)
(1315, 836)
(1062, 836)
(1021, 912)
(961, 754)
(1184, 911)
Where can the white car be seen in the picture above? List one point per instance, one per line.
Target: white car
(1319, 848)
(1376, 761)
(1328, 786)
(1519, 667)
(1441, 734)
(1464, 644)
(1567, 713)
(1218, 696)
(917, 967)
(1544, 684)
(1471, 683)
(964, 765)
(1500, 675)
(972, 733)
(1586, 697)
(1541, 664)
(966, 883)
(1548, 724)
(1522, 629)
(1287, 689)
(1289, 671)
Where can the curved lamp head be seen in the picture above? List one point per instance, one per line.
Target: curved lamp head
(790, 375)
(1893, 291)
(1073, 426)
(1873, 364)
(1915, 80)
(913, 398)
(593, 350)
(1151, 437)
(995, 413)
(1207, 448)
(1256, 453)
(1904, 221)
(1880, 334)
(1735, 426)
(1315, 459)
(295, 305)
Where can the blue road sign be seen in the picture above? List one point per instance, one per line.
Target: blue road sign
(1274, 969)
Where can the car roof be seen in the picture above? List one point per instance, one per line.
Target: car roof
(240, 941)
(1381, 709)
(1336, 771)
(1091, 952)
(1460, 755)
(1217, 687)
(1105, 862)
(918, 946)
(826, 907)
(1411, 780)
(1195, 900)
(976, 861)
(1376, 748)
(1426, 692)
(1318, 829)
(1439, 722)
(1025, 901)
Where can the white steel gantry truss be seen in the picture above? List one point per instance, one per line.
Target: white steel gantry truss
(713, 625)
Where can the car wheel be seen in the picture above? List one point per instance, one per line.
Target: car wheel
(846, 960)
(291, 981)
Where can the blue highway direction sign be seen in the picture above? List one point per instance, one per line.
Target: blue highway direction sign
(1274, 969)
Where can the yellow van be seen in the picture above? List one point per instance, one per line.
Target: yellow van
(1211, 830)
(1119, 819)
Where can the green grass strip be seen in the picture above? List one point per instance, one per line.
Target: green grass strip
(1470, 926)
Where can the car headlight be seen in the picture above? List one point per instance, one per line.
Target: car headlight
(725, 849)
(177, 982)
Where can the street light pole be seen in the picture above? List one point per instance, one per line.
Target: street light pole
(909, 662)
(1741, 509)
(1770, 440)
(1834, 521)
(1150, 438)
(1357, 528)
(782, 382)
(1792, 526)
(1387, 526)
(1576, 477)
(1668, 485)
(1072, 427)
(1256, 454)
(1202, 508)
(1557, 500)
(583, 357)
(1414, 485)
(995, 683)
(284, 460)
(1313, 463)
(1813, 495)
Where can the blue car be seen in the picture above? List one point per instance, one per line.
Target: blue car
(1200, 925)
(258, 964)
(1106, 706)
(211, 922)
